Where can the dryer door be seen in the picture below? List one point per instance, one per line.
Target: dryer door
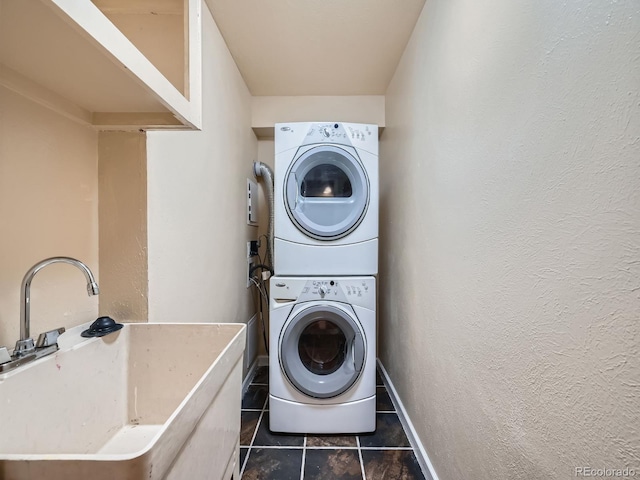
(322, 351)
(327, 192)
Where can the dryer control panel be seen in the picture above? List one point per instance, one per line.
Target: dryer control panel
(353, 290)
(358, 135)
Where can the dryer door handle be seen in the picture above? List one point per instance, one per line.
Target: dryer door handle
(357, 352)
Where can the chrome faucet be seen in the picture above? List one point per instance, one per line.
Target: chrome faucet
(25, 346)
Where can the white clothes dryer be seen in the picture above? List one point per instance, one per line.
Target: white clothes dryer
(326, 199)
(322, 353)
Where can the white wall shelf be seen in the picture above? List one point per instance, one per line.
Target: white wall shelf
(69, 56)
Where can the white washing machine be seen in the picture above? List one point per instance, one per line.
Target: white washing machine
(322, 352)
(326, 199)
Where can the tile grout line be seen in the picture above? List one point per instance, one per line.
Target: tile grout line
(304, 456)
(245, 388)
(253, 437)
(387, 448)
(280, 447)
(330, 447)
(255, 432)
(244, 464)
(364, 475)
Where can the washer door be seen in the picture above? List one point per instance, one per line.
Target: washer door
(322, 351)
(327, 192)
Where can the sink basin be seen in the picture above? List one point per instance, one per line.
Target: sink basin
(152, 401)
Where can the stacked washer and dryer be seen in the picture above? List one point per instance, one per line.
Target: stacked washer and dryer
(322, 332)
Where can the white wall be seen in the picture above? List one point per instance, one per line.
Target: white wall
(510, 236)
(48, 207)
(196, 201)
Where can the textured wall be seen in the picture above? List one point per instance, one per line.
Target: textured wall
(510, 236)
(196, 201)
(48, 207)
(266, 111)
(122, 179)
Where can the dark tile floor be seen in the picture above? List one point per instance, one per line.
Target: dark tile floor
(383, 455)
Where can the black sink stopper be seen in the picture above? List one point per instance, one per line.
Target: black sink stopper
(101, 327)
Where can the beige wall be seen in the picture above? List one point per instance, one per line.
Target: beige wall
(266, 111)
(158, 34)
(196, 201)
(122, 176)
(48, 207)
(510, 236)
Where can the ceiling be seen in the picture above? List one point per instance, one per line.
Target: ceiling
(316, 47)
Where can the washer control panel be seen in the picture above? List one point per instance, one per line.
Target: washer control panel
(354, 290)
(327, 132)
(331, 289)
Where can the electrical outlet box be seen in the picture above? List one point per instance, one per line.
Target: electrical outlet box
(250, 265)
(252, 251)
(253, 248)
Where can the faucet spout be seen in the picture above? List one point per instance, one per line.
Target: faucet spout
(25, 300)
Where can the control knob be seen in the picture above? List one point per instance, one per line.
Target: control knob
(323, 290)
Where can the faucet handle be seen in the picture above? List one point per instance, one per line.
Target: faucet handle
(49, 338)
(24, 348)
(4, 355)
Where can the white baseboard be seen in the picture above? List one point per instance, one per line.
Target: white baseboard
(251, 347)
(246, 381)
(260, 361)
(412, 435)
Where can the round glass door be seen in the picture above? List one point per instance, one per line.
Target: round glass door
(327, 192)
(322, 351)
